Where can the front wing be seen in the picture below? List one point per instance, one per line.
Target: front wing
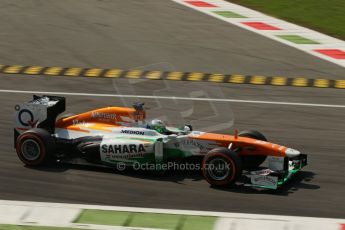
(276, 174)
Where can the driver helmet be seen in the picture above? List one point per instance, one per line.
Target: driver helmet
(157, 125)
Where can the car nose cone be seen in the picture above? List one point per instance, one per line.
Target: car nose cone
(292, 152)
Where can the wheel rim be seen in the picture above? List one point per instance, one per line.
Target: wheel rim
(30, 150)
(218, 169)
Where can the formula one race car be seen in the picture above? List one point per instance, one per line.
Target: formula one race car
(118, 135)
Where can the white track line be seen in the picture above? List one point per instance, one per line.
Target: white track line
(174, 98)
(244, 216)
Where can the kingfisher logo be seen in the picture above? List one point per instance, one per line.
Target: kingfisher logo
(134, 132)
(77, 122)
(264, 180)
(103, 115)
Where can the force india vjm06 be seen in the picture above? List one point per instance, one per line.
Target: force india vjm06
(119, 135)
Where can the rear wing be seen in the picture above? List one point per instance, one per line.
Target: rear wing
(41, 112)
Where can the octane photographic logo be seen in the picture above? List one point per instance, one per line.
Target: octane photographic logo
(171, 166)
(179, 102)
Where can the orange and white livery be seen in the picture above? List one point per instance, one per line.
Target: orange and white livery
(120, 135)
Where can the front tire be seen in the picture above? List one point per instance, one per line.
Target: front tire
(221, 167)
(35, 147)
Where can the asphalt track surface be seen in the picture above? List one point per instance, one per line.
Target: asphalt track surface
(161, 34)
(153, 34)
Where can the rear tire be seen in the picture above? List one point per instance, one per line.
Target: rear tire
(252, 162)
(35, 147)
(221, 167)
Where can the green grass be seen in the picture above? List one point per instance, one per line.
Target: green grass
(326, 16)
(147, 220)
(24, 227)
(103, 217)
(132, 219)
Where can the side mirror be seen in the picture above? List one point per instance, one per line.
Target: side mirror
(187, 128)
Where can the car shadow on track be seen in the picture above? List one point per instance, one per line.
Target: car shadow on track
(168, 175)
(302, 180)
